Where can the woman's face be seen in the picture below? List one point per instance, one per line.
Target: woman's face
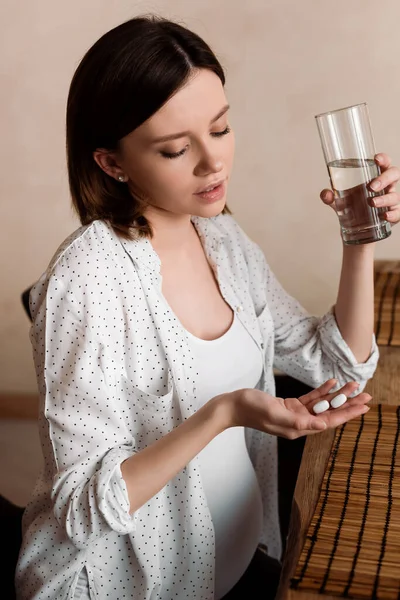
(169, 173)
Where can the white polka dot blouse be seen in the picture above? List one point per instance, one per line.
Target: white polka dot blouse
(115, 373)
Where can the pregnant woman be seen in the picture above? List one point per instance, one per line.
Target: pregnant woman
(156, 328)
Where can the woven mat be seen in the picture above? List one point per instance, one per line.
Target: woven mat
(352, 546)
(387, 303)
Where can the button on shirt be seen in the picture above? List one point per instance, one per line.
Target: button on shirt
(115, 373)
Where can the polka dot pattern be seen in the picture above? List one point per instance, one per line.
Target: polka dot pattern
(115, 373)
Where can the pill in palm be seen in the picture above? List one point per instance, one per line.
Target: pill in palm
(321, 407)
(338, 400)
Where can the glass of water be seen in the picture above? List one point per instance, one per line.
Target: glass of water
(349, 150)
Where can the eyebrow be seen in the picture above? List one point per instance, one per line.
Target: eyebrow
(174, 136)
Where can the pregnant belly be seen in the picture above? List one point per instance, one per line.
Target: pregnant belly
(234, 500)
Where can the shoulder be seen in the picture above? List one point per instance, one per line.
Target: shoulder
(80, 247)
(87, 255)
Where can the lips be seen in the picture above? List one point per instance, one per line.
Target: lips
(214, 195)
(210, 187)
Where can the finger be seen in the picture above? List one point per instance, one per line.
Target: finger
(363, 397)
(393, 216)
(321, 424)
(327, 197)
(383, 160)
(339, 416)
(386, 178)
(355, 407)
(389, 200)
(358, 400)
(348, 389)
(318, 392)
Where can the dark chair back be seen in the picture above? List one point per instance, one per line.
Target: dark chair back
(10, 521)
(25, 302)
(11, 537)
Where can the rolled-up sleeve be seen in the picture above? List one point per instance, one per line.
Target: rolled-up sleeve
(312, 349)
(85, 432)
(308, 348)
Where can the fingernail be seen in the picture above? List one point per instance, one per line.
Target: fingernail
(375, 185)
(364, 409)
(319, 425)
(379, 157)
(377, 202)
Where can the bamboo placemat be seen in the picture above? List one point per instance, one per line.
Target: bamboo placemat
(387, 302)
(352, 547)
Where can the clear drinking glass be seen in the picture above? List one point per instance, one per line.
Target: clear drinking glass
(349, 150)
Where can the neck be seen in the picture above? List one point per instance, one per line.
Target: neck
(171, 232)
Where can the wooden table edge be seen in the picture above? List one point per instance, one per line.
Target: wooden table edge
(316, 454)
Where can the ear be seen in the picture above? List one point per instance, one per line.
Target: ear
(107, 161)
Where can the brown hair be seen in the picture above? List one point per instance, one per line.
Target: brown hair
(123, 79)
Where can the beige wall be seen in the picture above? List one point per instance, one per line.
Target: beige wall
(285, 61)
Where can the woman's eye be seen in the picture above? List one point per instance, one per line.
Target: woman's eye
(182, 152)
(221, 133)
(173, 154)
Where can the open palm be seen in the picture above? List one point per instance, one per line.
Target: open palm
(302, 407)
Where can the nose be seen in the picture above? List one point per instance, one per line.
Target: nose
(208, 163)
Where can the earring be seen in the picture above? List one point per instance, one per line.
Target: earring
(121, 178)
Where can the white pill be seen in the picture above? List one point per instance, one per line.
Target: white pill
(321, 407)
(338, 400)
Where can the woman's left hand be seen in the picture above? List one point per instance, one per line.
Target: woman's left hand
(386, 181)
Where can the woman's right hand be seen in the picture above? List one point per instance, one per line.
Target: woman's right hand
(291, 417)
(147, 471)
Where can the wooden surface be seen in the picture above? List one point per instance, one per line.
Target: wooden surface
(384, 388)
(352, 546)
(387, 303)
(19, 406)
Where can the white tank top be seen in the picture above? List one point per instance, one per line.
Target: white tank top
(228, 363)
